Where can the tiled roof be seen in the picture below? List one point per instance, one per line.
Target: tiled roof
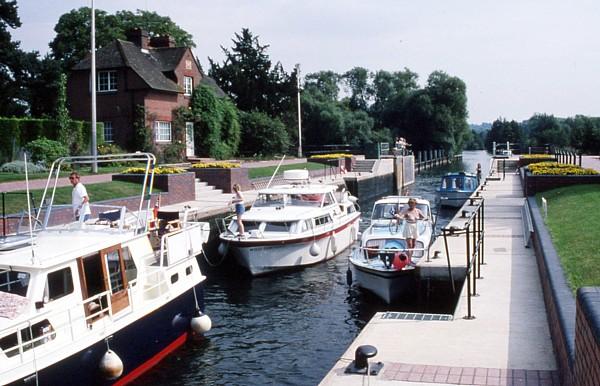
(148, 66)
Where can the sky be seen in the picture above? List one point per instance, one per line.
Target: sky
(517, 57)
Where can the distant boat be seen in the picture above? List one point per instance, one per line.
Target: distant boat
(456, 188)
(292, 225)
(381, 264)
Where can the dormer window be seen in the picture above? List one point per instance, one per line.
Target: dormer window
(188, 85)
(107, 81)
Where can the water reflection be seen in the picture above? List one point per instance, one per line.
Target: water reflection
(290, 328)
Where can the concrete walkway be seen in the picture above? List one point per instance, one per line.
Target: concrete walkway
(508, 342)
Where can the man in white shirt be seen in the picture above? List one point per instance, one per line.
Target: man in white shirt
(79, 198)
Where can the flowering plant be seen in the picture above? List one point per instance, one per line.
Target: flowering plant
(221, 165)
(157, 170)
(331, 156)
(557, 169)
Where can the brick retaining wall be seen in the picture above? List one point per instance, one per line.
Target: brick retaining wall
(587, 337)
(535, 184)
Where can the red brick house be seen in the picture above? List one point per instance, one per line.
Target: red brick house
(150, 72)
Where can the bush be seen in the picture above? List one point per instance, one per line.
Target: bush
(46, 151)
(173, 152)
(537, 156)
(157, 170)
(109, 148)
(221, 165)
(19, 167)
(556, 169)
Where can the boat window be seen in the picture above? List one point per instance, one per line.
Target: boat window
(115, 271)
(323, 220)
(130, 268)
(306, 199)
(59, 283)
(328, 199)
(269, 200)
(14, 282)
(304, 226)
(250, 225)
(36, 335)
(386, 211)
(279, 226)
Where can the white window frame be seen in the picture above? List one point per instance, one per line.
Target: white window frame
(109, 84)
(188, 85)
(108, 128)
(162, 131)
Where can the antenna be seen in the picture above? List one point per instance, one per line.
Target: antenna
(29, 209)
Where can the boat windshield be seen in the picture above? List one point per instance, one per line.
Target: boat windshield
(387, 210)
(306, 199)
(270, 200)
(14, 282)
(467, 183)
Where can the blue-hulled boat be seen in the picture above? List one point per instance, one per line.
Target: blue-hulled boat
(456, 188)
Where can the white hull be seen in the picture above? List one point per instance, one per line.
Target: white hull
(264, 256)
(454, 199)
(387, 284)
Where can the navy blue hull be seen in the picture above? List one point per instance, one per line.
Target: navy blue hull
(136, 344)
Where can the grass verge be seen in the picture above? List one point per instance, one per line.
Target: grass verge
(15, 203)
(267, 171)
(8, 177)
(573, 222)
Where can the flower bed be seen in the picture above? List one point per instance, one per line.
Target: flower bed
(343, 159)
(543, 176)
(222, 175)
(179, 184)
(527, 159)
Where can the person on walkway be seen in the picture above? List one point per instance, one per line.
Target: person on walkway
(238, 201)
(411, 232)
(79, 198)
(478, 174)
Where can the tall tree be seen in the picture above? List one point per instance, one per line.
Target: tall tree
(72, 40)
(248, 77)
(546, 129)
(12, 63)
(357, 82)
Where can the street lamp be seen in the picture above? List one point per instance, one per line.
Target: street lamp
(297, 67)
(93, 69)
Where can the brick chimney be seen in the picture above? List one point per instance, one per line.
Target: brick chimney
(162, 41)
(139, 37)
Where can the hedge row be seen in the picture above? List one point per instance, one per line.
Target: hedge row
(17, 132)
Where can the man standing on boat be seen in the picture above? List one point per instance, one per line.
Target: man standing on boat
(79, 198)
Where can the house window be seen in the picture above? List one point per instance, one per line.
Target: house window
(162, 131)
(108, 132)
(107, 81)
(188, 64)
(188, 85)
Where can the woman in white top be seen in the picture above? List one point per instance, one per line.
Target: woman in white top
(79, 198)
(411, 232)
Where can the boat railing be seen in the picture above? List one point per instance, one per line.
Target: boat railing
(80, 320)
(180, 244)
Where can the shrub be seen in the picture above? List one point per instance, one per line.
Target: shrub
(109, 148)
(556, 169)
(331, 156)
(19, 167)
(46, 151)
(222, 165)
(157, 170)
(173, 152)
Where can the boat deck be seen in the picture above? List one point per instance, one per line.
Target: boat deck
(507, 342)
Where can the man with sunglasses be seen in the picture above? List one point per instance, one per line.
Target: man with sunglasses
(79, 198)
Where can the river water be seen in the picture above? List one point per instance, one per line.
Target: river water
(290, 328)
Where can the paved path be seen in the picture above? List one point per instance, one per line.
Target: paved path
(592, 162)
(508, 342)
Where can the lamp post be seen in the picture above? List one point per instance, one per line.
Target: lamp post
(93, 76)
(297, 67)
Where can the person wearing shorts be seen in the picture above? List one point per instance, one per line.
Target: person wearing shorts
(411, 232)
(238, 201)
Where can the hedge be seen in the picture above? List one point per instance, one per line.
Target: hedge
(15, 133)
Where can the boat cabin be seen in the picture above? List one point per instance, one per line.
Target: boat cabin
(459, 182)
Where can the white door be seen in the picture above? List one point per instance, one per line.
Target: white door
(189, 139)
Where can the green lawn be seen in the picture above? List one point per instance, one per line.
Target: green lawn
(15, 203)
(268, 170)
(574, 221)
(7, 177)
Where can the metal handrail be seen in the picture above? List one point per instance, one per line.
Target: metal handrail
(473, 229)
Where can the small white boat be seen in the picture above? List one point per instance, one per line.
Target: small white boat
(293, 225)
(381, 263)
(456, 188)
(98, 301)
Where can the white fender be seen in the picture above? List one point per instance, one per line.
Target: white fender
(111, 365)
(201, 323)
(333, 244)
(315, 250)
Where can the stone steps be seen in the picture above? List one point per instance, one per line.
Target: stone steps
(363, 166)
(204, 190)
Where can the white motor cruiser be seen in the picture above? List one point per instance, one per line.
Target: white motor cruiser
(383, 264)
(97, 301)
(292, 225)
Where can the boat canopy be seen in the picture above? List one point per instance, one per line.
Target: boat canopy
(459, 181)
